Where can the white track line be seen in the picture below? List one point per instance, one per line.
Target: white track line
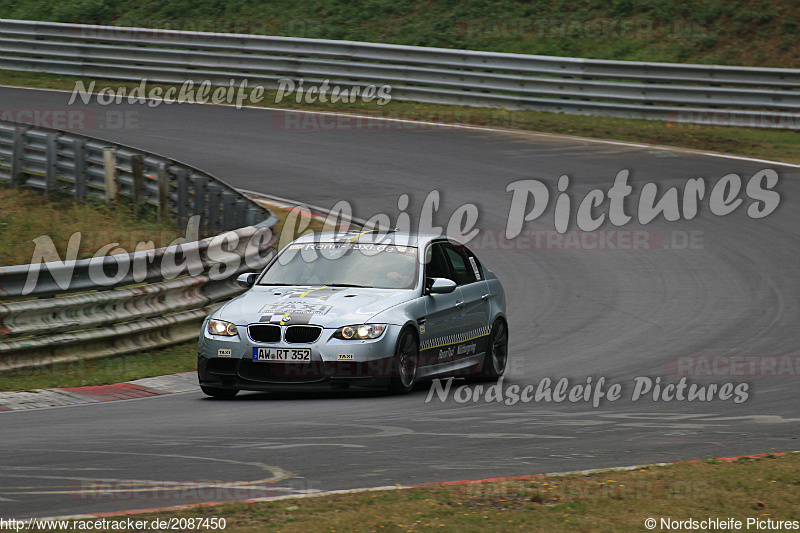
(464, 127)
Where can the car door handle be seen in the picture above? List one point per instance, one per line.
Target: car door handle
(459, 304)
(485, 297)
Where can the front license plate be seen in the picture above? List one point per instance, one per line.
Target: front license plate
(282, 355)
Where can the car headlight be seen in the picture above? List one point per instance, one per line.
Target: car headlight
(360, 332)
(220, 327)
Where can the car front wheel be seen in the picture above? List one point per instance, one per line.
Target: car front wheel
(406, 361)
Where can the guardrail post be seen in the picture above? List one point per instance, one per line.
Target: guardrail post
(110, 169)
(199, 204)
(183, 197)
(213, 206)
(163, 192)
(252, 215)
(18, 156)
(228, 218)
(50, 169)
(79, 161)
(241, 213)
(137, 170)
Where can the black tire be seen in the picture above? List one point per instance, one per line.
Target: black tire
(494, 364)
(219, 394)
(406, 363)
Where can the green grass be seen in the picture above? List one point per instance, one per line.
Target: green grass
(732, 32)
(26, 214)
(754, 142)
(763, 488)
(177, 358)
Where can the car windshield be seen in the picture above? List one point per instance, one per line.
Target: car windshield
(348, 264)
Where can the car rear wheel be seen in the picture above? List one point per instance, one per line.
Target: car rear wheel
(494, 363)
(220, 394)
(406, 362)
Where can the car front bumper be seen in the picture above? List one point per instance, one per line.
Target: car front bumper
(227, 362)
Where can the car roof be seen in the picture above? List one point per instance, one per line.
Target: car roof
(390, 237)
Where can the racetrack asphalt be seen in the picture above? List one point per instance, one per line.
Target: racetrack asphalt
(574, 313)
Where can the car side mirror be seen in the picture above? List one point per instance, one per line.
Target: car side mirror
(441, 286)
(247, 280)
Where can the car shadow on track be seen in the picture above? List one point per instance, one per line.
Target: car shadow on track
(343, 394)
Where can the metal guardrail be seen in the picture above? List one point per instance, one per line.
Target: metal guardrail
(85, 167)
(704, 94)
(114, 304)
(122, 319)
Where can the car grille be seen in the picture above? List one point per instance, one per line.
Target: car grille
(264, 333)
(302, 334)
(282, 372)
(221, 365)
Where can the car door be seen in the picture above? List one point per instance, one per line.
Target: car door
(474, 304)
(441, 325)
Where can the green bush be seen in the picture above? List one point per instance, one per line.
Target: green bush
(705, 25)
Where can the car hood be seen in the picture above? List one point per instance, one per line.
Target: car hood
(324, 306)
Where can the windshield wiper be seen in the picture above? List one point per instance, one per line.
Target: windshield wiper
(344, 285)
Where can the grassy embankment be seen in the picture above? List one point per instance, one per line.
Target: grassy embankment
(763, 34)
(762, 489)
(739, 32)
(25, 215)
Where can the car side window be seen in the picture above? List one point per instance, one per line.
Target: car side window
(436, 263)
(462, 267)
